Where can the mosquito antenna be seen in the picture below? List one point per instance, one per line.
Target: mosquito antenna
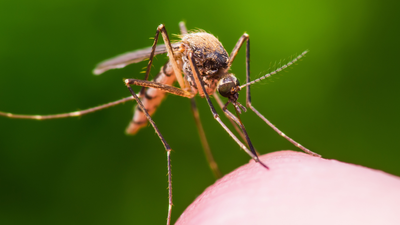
(275, 71)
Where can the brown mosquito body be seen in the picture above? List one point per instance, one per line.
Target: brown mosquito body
(200, 65)
(211, 60)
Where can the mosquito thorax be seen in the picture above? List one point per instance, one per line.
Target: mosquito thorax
(208, 52)
(228, 87)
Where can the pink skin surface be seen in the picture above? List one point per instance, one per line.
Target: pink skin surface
(298, 189)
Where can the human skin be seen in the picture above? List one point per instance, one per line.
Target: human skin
(298, 189)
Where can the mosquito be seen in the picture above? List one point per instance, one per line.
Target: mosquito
(205, 65)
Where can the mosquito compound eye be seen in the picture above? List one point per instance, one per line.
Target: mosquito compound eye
(225, 89)
(237, 83)
(226, 85)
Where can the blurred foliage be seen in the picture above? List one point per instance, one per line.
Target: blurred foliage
(340, 101)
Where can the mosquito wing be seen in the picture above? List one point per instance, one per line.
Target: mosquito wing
(125, 59)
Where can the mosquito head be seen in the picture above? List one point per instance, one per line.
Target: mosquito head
(229, 87)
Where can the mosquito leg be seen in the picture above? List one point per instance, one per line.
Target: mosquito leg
(182, 27)
(242, 39)
(65, 115)
(164, 87)
(172, 60)
(166, 146)
(196, 74)
(248, 104)
(282, 134)
(211, 162)
(153, 49)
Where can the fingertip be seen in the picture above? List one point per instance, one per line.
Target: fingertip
(298, 188)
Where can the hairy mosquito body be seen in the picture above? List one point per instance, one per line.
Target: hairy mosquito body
(211, 59)
(205, 65)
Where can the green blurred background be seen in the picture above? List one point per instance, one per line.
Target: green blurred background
(341, 101)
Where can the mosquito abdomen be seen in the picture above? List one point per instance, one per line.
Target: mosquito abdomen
(151, 99)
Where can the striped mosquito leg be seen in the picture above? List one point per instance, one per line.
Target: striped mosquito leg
(207, 151)
(177, 71)
(151, 99)
(248, 100)
(65, 115)
(166, 146)
(197, 78)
